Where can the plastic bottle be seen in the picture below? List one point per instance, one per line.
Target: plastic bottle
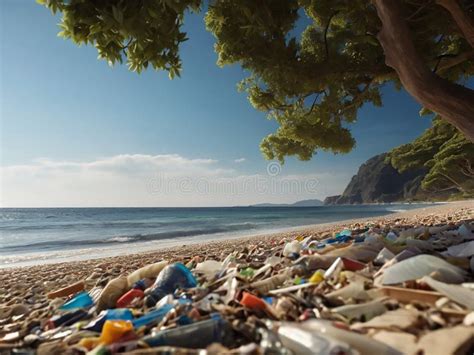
(153, 316)
(97, 324)
(81, 300)
(150, 271)
(170, 278)
(114, 330)
(66, 319)
(195, 336)
(112, 292)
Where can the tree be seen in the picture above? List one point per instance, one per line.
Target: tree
(445, 152)
(312, 83)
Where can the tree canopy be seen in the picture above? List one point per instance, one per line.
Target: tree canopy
(445, 152)
(311, 81)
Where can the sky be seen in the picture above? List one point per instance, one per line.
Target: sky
(78, 133)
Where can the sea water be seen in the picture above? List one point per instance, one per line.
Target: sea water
(37, 235)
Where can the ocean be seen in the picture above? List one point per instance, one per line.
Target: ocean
(31, 236)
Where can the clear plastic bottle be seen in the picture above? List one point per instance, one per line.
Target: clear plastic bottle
(172, 277)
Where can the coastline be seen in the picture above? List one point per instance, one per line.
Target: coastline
(413, 216)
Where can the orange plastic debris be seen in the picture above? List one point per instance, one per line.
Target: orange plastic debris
(113, 330)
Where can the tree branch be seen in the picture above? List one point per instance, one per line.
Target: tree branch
(453, 102)
(326, 34)
(463, 21)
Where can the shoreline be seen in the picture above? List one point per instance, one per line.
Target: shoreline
(271, 236)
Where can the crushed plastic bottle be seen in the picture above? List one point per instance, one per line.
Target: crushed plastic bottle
(198, 335)
(170, 278)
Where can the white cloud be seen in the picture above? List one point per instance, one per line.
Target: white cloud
(153, 180)
(240, 160)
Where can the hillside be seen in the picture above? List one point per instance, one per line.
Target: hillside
(377, 181)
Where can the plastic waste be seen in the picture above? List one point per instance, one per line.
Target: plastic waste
(81, 300)
(253, 302)
(355, 290)
(150, 271)
(129, 296)
(464, 250)
(66, 319)
(263, 286)
(247, 272)
(383, 256)
(352, 265)
(304, 341)
(209, 268)
(170, 278)
(459, 294)
(366, 310)
(407, 295)
(423, 245)
(317, 277)
(333, 272)
(292, 248)
(422, 265)
(357, 342)
(466, 231)
(153, 316)
(114, 330)
(68, 290)
(97, 324)
(400, 318)
(112, 292)
(195, 336)
(391, 236)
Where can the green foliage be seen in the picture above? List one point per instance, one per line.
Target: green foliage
(445, 152)
(145, 32)
(311, 80)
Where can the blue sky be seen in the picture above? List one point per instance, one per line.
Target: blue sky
(60, 104)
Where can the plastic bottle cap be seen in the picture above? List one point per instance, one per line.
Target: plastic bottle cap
(250, 301)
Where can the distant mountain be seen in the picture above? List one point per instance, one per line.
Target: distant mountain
(377, 181)
(303, 203)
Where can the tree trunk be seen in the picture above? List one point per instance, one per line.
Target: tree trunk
(462, 20)
(453, 102)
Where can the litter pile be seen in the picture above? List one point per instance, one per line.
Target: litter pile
(366, 290)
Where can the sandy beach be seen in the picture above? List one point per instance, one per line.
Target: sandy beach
(29, 285)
